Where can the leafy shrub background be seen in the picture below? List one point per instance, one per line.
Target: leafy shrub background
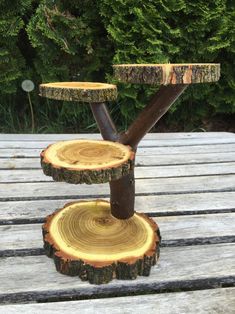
(80, 40)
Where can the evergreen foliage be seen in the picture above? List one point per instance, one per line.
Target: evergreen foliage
(69, 40)
(58, 40)
(176, 32)
(12, 63)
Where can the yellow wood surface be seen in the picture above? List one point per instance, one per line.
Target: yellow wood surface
(79, 85)
(86, 230)
(87, 154)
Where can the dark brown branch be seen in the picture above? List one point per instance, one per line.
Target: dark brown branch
(122, 191)
(122, 197)
(104, 121)
(158, 106)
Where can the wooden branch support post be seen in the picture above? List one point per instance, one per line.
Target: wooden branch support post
(97, 240)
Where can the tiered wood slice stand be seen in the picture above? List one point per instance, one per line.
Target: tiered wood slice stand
(99, 240)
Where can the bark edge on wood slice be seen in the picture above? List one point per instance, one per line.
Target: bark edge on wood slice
(87, 161)
(79, 91)
(166, 74)
(85, 240)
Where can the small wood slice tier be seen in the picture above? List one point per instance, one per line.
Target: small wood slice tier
(79, 91)
(166, 74)
(87, 161)
(85, 240)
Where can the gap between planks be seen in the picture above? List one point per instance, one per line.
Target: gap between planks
(161, 205)
(163, 186)
(185, 268)
(219, 148)
(157, 136)
(144, 143)
(175, 231)
(220, 300)
(150, 160)
(36, 175)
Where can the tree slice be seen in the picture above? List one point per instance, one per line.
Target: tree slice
(87, 161)
(85, 240)
(165, 74)
(79, 91)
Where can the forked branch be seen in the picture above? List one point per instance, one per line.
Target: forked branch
(158, 106)
(122, 191)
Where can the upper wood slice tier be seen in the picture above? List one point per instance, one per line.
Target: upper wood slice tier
(87, 161)
(166, 74)
(79, 91)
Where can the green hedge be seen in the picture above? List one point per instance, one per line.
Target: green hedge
(79, 40)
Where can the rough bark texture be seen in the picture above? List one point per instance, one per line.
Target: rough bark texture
(165, 74)
(116, 167)
(99, 272)
(86, 176)
(79, 91)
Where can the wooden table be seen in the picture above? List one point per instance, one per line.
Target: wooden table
(186, 181)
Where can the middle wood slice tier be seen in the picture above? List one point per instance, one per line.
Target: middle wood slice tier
(87, 161)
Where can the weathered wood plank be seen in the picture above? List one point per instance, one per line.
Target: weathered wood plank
(141, 160)
(188, 149)
(36, 175)
(147, 142)
(196, 149)
(179, 159)
(26, 211)
(20, 163)
(202, 266)
(157, 136)
(20, 191)
(174, 230)
(190, 302)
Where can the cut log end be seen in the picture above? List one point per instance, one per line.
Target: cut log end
(85, 240)
(79, 91)
(87, 161)
(166, 74)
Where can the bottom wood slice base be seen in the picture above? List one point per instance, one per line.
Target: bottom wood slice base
(85, 240)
